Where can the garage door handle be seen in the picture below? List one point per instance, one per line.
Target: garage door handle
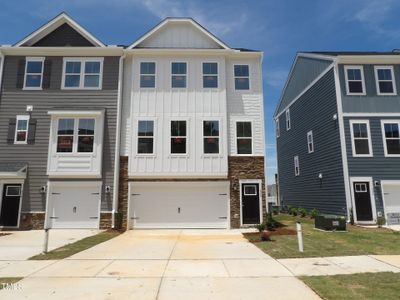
(53, 217)
(135, 194)
(135, 218)
(223, 218)
(386, 193)
(95, 193)
(93, 217)
(56, 193)
(223, 194)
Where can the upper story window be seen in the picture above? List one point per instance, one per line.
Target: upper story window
(210, 75)
(277, 128)
(147, 74)
(360, 138)
(33, 73)
(178, 137)
(296, 166)
(75, 135)
(145, 137)
(211, 137)
(82, 73)
(384, 78)
(178, 75)
(354, 76)
(391, 137)
(242, 81)
(288, 123)
(310, 141)
(244, 139)
(21, 130)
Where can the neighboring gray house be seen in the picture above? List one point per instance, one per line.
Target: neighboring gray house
(337, 133)
(58, 126)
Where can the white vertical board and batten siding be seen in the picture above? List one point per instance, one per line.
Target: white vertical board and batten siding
(164, 104)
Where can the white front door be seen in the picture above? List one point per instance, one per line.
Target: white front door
(74, 204)
(179, 204)
(391, 200)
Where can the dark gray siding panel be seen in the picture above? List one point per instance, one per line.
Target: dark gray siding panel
(305, 71)
(13, 101)
(64, 35)
(378, 167)
(313, 111)
(371, 102)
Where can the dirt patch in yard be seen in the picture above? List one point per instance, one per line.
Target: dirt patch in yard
(255, 237)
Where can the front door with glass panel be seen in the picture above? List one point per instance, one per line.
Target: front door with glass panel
(10, 205)
(362, 201)
(250, 203)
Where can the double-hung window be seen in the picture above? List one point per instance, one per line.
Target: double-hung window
(288, 123)
(244, 138)
(178, 137)
(360, 138)
(178, 75)
(384, 78)
(210, 75)
(296, 166)
(211, 137)
(75, 135)
(391, 137)
(33, 73)
(147, 74)
(354, 76)
(21, 130)
(242, 80)
(82, 73)
(310, 141)
(145, 137)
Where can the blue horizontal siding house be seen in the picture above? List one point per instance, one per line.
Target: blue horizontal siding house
(337, 135)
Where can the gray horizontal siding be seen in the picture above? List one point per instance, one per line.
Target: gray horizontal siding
(371, 102)
(313, 111)
(304, 72)
(13, 101)
(378, 167)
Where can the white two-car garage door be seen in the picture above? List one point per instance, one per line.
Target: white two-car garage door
(179, 204)
(74, 204)
(391, 200)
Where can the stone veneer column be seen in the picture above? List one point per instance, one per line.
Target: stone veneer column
(123, 190)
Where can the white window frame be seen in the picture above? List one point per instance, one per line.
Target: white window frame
(186, 75)
(310, 142)
(357, 67)
(234, 77)
(353, 144)
(155, 75)
(177, 136)
(383, 122)
(139, 136)
(203, 74)
(209, 136)
(33, 59)
(288, 121)
(21, 118)
(277, 128)
(251, 137)
(82, 60)
(296, 166)
(360, 187)
(13, 186)
(248, 194)
(393, 81)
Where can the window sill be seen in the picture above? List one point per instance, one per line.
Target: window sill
(20, 143)
(177, 155)
(32, 89)
(356, 94)
(361, 156)
(391, 94)
(211, 155)
(145, 155)
(80, 89)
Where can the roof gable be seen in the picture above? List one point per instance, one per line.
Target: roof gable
(60, 31)
(179, 33)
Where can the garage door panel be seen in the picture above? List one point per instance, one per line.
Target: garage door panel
(179, 205)
(391, 198)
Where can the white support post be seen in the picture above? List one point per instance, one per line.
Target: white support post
(299, 236)
(46, 241)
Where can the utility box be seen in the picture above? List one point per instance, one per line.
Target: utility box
(330, 223)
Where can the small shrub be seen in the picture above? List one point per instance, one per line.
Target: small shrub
(313, 213)
(302, 212)
(270, 222)
(381, 221)
(293, 211)
(260, 227)
(275, 211)
(288, 209)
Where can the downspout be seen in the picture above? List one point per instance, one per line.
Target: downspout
(117, 141)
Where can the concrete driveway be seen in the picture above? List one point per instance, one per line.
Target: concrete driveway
(166, 264)
(20, 245)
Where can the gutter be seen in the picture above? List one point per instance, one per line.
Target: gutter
(117, 141)
(1, 69)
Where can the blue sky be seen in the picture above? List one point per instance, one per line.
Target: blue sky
(278, 28)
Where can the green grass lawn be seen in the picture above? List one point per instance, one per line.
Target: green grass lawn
(356, 241)
(78, 246)
(8, 280)
(364, 286)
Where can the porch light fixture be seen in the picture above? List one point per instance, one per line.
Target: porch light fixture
(320, 176)
(334, 117)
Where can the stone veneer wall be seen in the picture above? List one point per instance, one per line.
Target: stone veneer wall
(105, 220)
(123, 190)
(244, 167)
(31, 221)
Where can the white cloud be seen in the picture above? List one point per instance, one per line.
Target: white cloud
(276, 78)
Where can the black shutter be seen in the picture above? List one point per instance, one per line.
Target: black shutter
(11, 130)
(20, 73)
(31, 131)
(46, 74)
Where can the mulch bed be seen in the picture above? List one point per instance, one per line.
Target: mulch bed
(255, 237)
(4, 234)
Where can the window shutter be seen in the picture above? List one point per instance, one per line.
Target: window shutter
(11, 130)
(31, 131)
(20, 73)
(46, 74)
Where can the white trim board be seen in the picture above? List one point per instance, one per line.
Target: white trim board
(378, 114)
